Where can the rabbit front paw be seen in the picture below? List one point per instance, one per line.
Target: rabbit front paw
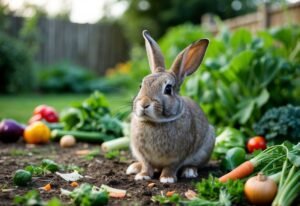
(142, 176)
(134, 168)
(190, 172)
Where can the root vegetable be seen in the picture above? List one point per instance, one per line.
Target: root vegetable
(260, 190)
(67, 141)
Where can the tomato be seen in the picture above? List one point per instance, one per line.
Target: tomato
(256, 143)
(45, 112)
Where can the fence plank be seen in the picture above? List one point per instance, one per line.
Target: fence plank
(92, 46)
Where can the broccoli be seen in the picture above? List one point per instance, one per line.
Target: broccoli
(280, 124)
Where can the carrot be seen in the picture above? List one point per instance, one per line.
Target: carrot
(47, 187)
(271, 155)
(170, 193)
(241, 171)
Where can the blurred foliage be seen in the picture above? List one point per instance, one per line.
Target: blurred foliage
(65, 77)
(158, 16)
(15, 66)
(242, 75)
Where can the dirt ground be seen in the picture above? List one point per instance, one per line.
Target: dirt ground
(98, 170)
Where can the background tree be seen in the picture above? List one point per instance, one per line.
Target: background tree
(158, 16)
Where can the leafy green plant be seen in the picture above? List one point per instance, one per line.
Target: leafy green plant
(280, 124)
(32, 198)
(211, 187)
(46, 165)
(86, 194)
(243, 74)
(112, 154)
(64, 77)
(92, 114)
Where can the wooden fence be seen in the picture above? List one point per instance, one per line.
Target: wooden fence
(266, 16)
(94, 46)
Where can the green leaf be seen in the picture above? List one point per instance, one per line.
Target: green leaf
(245, 112)
(262, 98)
(242, 60)
(240, 39)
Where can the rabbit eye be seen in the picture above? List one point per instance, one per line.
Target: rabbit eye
(168, 89)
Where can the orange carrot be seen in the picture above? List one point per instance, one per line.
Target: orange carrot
(241, 171)
(47, 187)
(170, 193)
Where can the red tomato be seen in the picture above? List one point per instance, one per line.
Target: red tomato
(256, 143)
(40, 109)
(46, 112)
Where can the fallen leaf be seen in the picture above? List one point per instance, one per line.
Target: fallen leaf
(83, 152)
(190, 194)
(170, 193)
(151, 185)
(47, 187)
(70, 177)
(74, 184)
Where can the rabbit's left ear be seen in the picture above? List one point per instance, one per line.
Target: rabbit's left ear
(155, 57)
(189, 59)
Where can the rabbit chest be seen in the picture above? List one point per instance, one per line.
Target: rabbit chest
(162, 144)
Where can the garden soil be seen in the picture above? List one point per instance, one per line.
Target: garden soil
(97, 170)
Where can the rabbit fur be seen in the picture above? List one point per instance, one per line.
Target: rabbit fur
(169, 132)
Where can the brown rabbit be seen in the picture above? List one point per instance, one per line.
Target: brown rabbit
(169, 132)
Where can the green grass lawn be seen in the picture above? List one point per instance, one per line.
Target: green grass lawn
(20, 107)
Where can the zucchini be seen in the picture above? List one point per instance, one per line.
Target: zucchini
(83, 136)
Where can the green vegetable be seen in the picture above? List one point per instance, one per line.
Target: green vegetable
(92, 137)
(289, 184)
(92, 115)
(280, 124)
(228, 139)
(162, 199)
(50, 165)
(115, 144)
(47, 165)
(211, 188)
(32, 198)
(87, 195)
(233, 158)
(22, 177)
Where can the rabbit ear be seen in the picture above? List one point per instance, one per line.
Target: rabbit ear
(155, 57)
(189, 59)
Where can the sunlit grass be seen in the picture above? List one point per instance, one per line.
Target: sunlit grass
(20, 107)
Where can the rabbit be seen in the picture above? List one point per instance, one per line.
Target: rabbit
(169, 132)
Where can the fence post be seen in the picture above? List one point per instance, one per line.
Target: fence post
(265, 14)
(208, 22)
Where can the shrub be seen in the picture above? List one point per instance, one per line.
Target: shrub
(64, 77)
(15, 65)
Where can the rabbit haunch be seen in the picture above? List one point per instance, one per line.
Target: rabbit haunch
(169, 132)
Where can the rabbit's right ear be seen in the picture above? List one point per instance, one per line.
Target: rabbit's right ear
(155, 57)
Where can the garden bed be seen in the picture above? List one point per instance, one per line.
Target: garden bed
(98, 169)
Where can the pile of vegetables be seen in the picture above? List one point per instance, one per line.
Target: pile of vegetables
(90, 121)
